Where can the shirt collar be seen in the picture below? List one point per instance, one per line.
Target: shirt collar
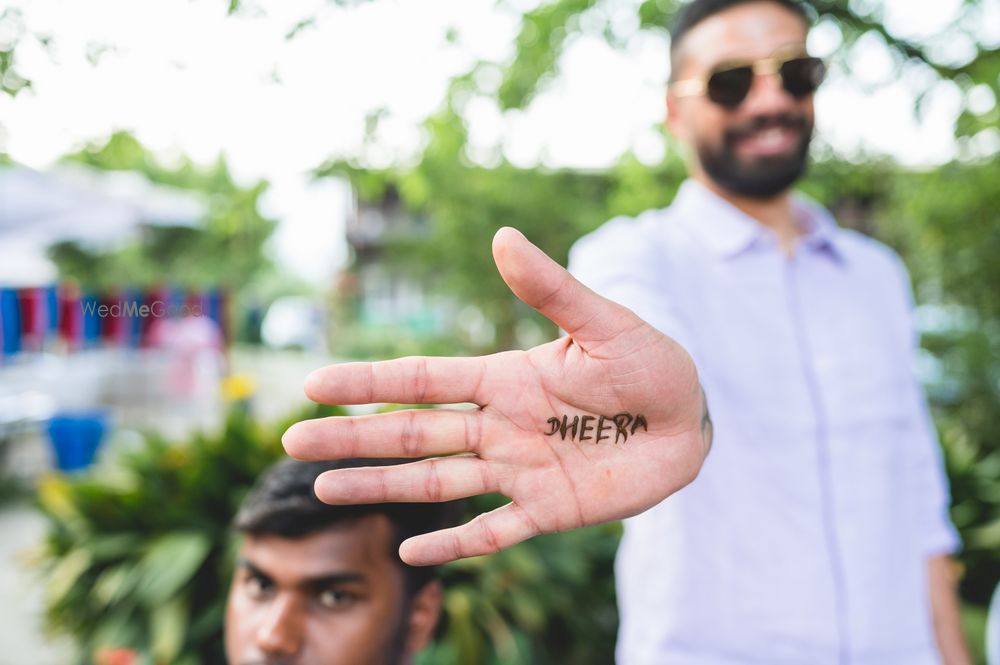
(727, 231)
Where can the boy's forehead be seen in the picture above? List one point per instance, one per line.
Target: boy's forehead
(746, 32)
(364, 544)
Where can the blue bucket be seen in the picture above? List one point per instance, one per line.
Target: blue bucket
(76, 438)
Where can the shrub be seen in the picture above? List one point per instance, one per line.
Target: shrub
(139, 554)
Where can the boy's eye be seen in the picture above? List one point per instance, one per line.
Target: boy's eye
(257, 586)
(336, 599)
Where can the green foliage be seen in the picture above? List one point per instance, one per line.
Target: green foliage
(12, 488)
(547, 30)
(466, 204)
(947, 222)
(548, 601)
(538, 46)
(139, 555)
(226, 249)
(138, 552)
(12, 32)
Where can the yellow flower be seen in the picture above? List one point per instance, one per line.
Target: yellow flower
(236, 387)
(54, 495)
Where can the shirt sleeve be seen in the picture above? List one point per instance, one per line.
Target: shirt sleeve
(928, 480)
(620, 263)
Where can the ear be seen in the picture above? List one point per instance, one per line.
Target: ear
(673, 121)
(425, 609)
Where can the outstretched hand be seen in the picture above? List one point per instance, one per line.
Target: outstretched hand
(596, 426)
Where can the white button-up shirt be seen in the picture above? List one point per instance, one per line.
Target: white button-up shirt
(805, 538)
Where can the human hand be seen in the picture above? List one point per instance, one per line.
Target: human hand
(642, 431)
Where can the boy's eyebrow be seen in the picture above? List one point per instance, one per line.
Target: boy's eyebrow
(314, 582)
(253, 570)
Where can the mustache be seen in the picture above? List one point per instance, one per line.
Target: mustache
(795, 121)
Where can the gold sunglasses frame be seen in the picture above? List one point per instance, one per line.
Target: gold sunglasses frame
(694, 87)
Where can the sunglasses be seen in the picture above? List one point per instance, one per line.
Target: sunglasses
(729, 85)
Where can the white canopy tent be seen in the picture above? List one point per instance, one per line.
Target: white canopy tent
(73, 202)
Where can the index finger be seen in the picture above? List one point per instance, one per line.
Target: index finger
(411, 380)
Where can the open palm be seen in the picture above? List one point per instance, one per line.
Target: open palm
(598, 425)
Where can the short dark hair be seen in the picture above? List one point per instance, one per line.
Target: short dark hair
(283, 503)
(697, 11)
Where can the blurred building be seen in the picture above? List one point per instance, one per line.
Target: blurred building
(65, 349)
(379, 291)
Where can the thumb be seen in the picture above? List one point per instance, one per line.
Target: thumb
(547, 287)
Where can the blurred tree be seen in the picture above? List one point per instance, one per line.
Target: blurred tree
(12, 32)
(226, 250)
(965, 51)
(467, 199)
(466, 203)
(947, 224)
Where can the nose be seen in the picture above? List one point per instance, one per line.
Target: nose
(767, 96)
(281, 631)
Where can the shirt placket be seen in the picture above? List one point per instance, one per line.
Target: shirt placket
(794, 285)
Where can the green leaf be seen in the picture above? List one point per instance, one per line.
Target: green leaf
(113, 546)
(167, 627)
(66, 573)
(169, 564)
(115, 583)
(115, 631)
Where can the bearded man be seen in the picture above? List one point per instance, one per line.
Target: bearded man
(817, 530)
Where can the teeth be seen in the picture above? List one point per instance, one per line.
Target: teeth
(768, 137)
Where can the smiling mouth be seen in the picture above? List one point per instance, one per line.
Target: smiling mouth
(773, 140)
(769, 135)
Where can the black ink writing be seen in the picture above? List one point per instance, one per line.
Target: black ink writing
(622, 421)
(623, 424)
(563, 429)
(600, 428)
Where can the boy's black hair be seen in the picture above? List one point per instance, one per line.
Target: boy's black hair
(283, 503)
(697, 11)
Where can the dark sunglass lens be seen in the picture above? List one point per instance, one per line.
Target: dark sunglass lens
(730, 86)
(802, 76)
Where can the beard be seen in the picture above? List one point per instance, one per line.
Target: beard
(761, 177)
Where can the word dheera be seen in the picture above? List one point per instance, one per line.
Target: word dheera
(580, 427)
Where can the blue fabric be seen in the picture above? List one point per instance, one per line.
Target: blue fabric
(10, 320)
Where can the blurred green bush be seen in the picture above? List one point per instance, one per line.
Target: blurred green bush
(139, 552)
(946, 223)
(139, 555)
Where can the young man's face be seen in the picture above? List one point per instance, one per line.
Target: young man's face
(336, 597)
(760, 147)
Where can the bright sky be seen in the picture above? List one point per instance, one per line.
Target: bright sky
(185, 77)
